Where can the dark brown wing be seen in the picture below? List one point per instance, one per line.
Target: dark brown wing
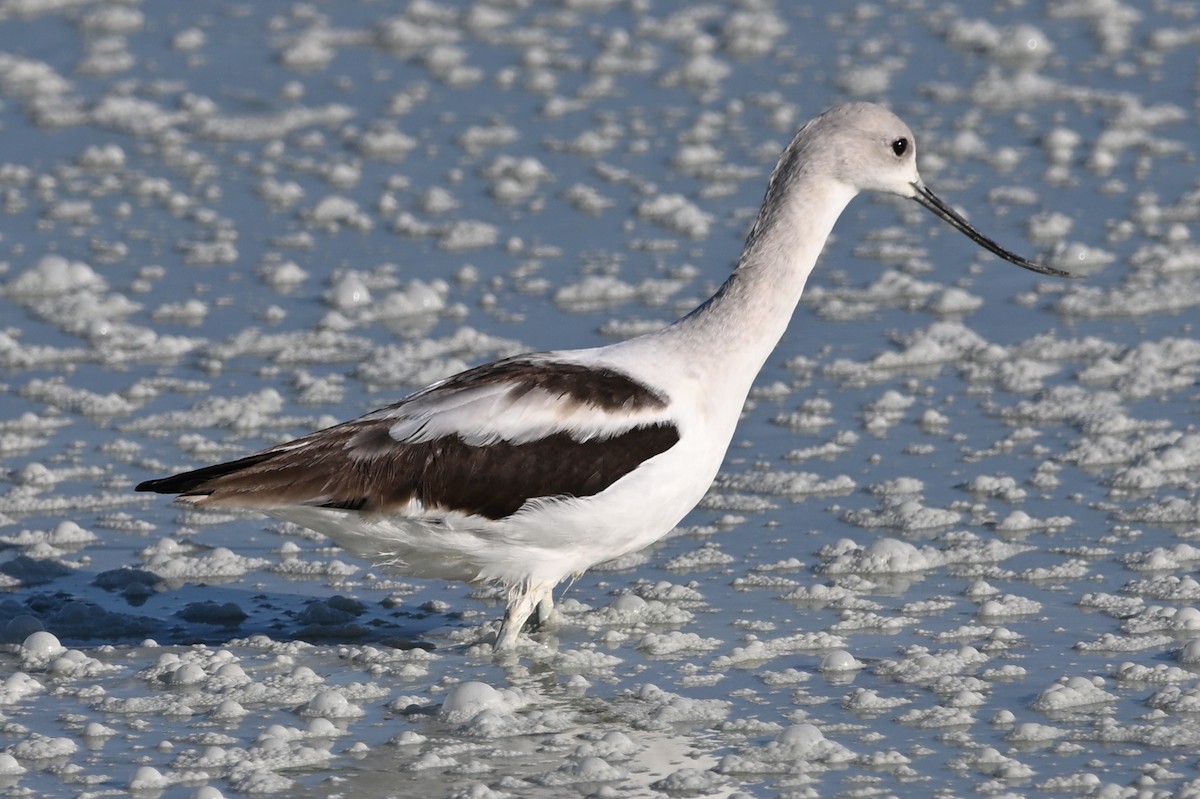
(494, 480)
(364, 466)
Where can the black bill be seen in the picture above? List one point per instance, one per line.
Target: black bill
(934, 203)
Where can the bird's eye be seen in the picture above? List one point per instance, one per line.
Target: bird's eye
(900, 145)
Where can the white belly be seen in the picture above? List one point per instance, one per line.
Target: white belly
(546, 540)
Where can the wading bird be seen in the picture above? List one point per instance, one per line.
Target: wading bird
(534, 468)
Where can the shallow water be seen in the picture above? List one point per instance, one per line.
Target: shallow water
(950, 552)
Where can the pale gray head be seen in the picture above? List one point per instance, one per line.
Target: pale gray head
(869, 148)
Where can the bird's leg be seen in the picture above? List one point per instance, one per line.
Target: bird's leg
(545, 607)
(520, 607)
(533, 604)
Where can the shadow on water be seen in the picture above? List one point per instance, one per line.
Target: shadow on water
(175, 613)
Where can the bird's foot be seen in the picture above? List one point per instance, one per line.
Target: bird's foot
(515, 616)
(534, 606)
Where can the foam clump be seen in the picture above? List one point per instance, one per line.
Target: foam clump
(839, 661)
(881, 556)
(331, 704)
(54, 274)
(584, 770)
(469, 698)
(147, 778)
(42, 644)
(800, 748)
(1071, 693)
(675, 213)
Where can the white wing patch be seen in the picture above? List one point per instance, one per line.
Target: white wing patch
(510, 409)
(487, 415)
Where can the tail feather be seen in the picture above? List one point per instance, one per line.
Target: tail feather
(196, 482)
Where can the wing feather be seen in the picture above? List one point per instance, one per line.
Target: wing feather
(523, 399)
(483, 442)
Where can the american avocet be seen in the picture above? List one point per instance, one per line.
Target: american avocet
(534, 468)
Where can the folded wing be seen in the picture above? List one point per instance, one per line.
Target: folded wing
(483, 442)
